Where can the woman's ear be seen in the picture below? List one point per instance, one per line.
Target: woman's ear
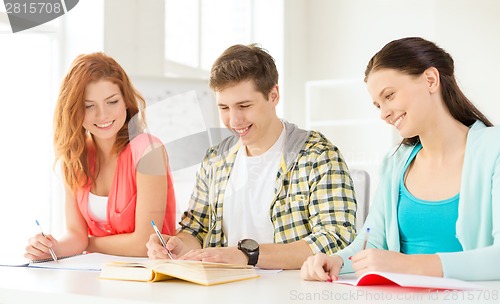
(432, 79)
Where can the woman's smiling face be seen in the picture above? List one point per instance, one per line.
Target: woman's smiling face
(105, 110)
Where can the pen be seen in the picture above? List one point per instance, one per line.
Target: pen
(54, 256)
(367, 234)
(158, 233)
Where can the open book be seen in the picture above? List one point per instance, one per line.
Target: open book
(204, 273)
(406, 280)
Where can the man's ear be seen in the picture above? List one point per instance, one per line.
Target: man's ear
(432, 79)
(274, 95)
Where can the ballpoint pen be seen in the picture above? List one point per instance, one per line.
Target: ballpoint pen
(367, 234)
(54, 256)
(158, 233)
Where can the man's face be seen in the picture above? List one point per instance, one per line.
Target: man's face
(248, 113)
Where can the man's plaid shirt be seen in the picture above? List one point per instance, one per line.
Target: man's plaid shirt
(314, 197)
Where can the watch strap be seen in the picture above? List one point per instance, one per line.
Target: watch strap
(253, 257)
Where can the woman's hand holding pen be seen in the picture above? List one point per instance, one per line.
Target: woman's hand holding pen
(38, 247)
(391, 261)
(321, 267)
(380, 260)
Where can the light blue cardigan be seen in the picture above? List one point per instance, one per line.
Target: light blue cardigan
(478, 223)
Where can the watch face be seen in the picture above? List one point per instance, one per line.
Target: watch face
(249, 244)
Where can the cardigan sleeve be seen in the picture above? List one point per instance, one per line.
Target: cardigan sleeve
(472, 265)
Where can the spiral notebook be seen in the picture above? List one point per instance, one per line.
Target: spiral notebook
(89, 261)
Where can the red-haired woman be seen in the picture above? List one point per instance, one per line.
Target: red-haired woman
(117, 178)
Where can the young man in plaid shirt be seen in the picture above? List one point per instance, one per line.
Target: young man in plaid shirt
(272, 194)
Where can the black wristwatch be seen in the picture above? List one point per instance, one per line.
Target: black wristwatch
(251, 249)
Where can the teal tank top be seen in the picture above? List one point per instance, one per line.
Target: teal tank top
(426, 227)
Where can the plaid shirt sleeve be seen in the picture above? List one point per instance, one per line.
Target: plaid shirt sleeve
(332, 205)
(317, 203)
(195, 220)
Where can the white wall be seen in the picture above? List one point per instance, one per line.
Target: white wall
(134, 34)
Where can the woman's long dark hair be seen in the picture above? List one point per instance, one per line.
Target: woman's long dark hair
(414, 55)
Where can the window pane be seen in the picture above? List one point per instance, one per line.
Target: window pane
(223, 23)
(182, 31)
(26, 154)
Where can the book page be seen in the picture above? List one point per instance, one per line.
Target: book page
(205, 273)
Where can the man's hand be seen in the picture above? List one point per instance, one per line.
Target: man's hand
(229, 255)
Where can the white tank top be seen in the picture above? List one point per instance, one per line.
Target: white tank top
(98, 208)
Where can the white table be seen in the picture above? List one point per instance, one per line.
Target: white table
(31, 285)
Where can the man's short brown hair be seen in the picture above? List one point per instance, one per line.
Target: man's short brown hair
(241, 63)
